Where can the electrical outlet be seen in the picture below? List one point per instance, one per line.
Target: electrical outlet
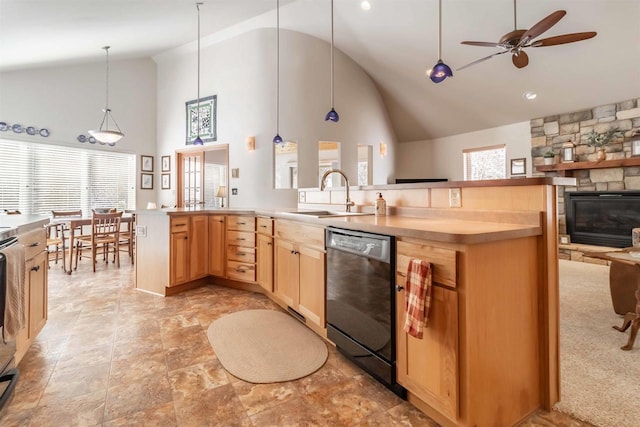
(302, 197)
(454, 198)
(234, 191)
(141, 230)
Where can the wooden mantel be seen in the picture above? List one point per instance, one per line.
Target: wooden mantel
(566, 169)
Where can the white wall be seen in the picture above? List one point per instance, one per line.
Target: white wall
(69, 101)
(241, 71)
(442, 157)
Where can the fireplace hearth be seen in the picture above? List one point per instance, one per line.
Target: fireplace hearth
(602, 218)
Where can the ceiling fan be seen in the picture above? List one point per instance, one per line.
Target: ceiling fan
(515, 41)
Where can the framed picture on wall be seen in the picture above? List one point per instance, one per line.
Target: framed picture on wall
(518, 166)
(146, 181)
(202, 121)
(166, 163)
(166, 181)
(146, 163)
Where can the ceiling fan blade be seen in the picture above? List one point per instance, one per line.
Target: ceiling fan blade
(487, 44)
(565, 38)
(542, 26)
(477, 61)
(520, 59)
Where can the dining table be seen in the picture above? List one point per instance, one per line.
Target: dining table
(629, 256)
(73, 223)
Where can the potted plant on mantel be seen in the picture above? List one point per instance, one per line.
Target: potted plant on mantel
(601, 140)
(549, 157)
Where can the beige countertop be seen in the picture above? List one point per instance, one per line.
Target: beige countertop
(443, 229)
(11, 225)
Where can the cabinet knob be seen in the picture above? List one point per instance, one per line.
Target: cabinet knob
(399, 288)
(35, 268)
(268, 243)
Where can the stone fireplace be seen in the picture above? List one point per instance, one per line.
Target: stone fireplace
(620, 172)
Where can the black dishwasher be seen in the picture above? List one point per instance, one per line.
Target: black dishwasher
(361, 301)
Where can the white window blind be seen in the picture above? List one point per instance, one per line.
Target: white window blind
(38, 178)
(485, 163)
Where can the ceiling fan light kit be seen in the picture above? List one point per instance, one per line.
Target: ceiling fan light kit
(440, 71)
(515, 41)
(104, 134)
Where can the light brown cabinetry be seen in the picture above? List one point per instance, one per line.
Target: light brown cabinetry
(299, 281)
(36, 291)
(241, 248)
(217, 245)
(188, 248)
(264, 252)
(428, 367)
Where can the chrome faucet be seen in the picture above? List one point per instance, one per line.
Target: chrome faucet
(348, 202)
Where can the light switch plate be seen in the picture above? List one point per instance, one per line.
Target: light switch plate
(141, 230)
(302, 197)
(454, 198)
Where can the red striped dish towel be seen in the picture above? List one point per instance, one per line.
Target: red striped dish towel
(418, 298)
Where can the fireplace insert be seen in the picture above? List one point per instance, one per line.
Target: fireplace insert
(602, 218)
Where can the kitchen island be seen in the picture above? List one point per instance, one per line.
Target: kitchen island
(490, 352)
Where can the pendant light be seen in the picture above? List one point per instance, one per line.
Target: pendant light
(198, 140)
(441, 70)
(104, 134)
(332, 114)
(277, 139)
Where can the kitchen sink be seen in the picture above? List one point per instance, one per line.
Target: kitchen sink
(324, 214)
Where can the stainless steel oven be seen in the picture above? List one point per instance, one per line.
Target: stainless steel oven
(8, 372)
(361, 301)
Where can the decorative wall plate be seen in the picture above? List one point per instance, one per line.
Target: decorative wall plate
(44, 132)
(82, 138)
(92, 140)
(17, 128)
(31, 130)
(4, 126)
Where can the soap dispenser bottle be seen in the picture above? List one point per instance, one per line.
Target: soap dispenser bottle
(381, 206)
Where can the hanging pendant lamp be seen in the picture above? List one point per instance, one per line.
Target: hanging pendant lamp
(277, 139)
(198, 140)
(332, 114)
(104, 134)
(440, 71)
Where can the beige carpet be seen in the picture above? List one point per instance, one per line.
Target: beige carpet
(599, 382)
(266, 346)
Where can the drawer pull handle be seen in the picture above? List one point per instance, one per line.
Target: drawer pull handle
(241, 254)
(35, 268)
(294, 252)
(268, 243)
(400, 273)
(181, 225)
(399, 288)
(241, 238)
(242, 223)
(263, 226)
(241, 270)
(34, 244)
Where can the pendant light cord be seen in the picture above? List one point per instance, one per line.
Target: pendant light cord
(439, 29)
(332, 54)
(198, 105)
(277, 67)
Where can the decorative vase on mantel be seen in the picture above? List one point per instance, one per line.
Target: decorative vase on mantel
(600, 154)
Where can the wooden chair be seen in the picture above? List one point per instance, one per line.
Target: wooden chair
(127, 237)
(105, 235)
(12, 212)
(56, 240)
(78, 232)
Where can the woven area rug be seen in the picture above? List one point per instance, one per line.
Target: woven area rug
(599, 382)
(266, 346)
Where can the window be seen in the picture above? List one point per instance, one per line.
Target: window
(38, 178)
(485, 163)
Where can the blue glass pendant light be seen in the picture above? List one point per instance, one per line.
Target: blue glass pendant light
(332, 114)
(440, 71)
(277, 139)
(198, 140)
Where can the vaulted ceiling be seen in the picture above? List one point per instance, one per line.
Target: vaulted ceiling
(395, 41)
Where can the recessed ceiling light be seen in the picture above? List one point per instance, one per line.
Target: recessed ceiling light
(529, 95)
(365, 5)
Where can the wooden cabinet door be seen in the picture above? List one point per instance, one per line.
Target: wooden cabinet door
(216, 245)
(198, 247)
(37, 295)
(312, 289)
(179, 262)
(265, 262)
(428, 367)
(287, 273)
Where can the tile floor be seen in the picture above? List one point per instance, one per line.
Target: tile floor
(113, 356)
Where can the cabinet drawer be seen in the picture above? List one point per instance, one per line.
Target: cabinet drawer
(34, 242)
(243, 223)
(240, 253)
(265, 226)
(179, 224)
(241, 271)
(442, 260)
(300, 233)
(241, 238)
